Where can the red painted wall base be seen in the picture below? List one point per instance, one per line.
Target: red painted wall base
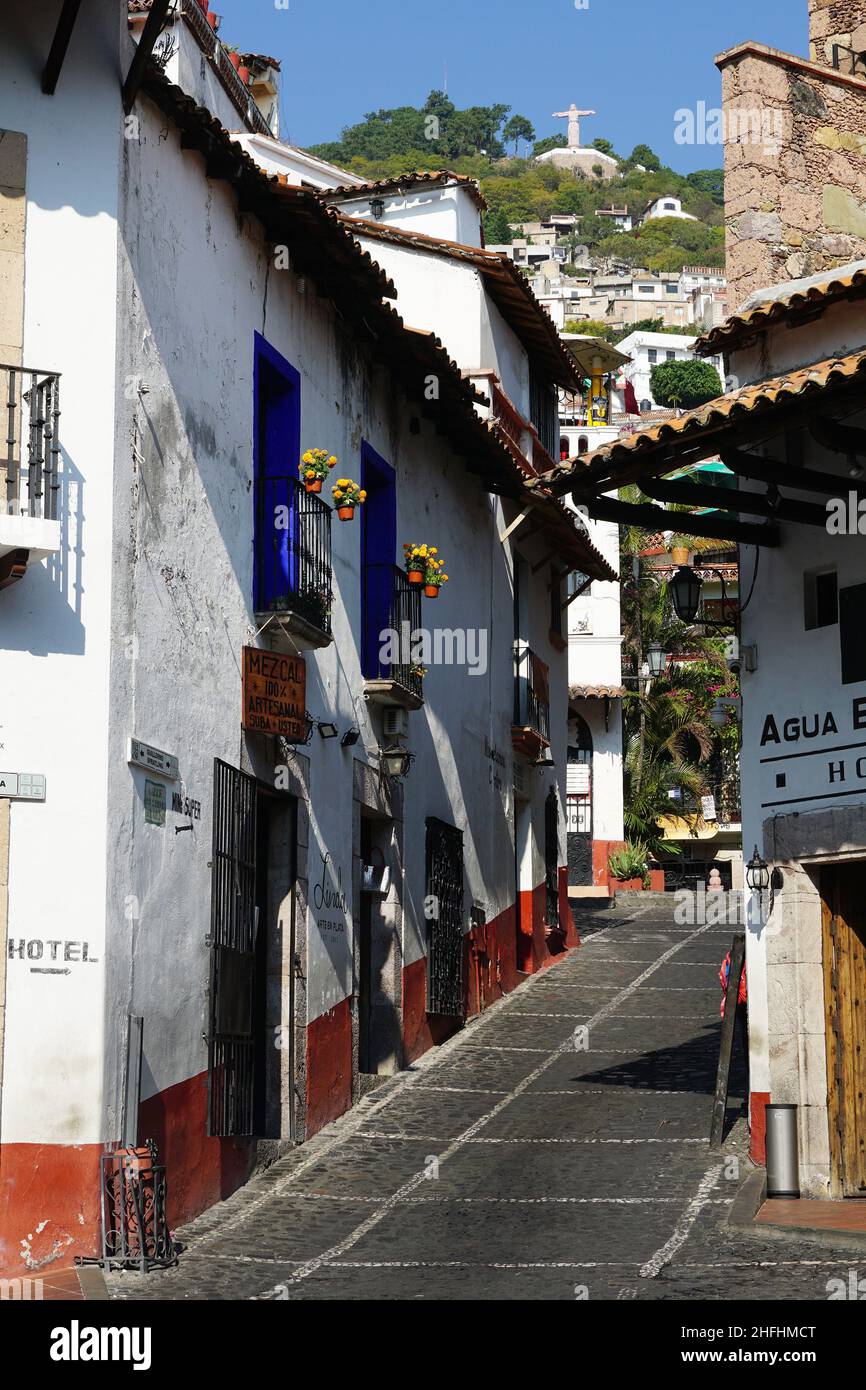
(49, 1206)
(758, 1102)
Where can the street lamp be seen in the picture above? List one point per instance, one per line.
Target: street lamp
(657, 658)
(758, 873)
(685, 590)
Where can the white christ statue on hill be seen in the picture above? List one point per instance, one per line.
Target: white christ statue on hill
(572, 115)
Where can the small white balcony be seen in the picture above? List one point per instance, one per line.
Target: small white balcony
(29, 469)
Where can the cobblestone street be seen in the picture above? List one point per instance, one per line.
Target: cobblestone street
(513, 1164)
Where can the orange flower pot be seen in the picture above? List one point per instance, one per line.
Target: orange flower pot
(314, 486)
(431, 590)
(345, 513)
(416, 576)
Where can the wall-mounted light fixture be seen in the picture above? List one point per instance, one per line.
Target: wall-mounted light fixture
(327, 729)
(350, 737)
(758, 873)
(377, 208)
(395, 762)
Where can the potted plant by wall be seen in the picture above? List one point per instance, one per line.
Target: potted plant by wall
(234, 56)
(679, 550)
(415, 560)
(433, 576)
(416, 669)
(314, 467)
(244, 74)
(629, 866)
(347, 496)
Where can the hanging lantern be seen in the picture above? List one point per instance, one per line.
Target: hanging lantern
(685, 588)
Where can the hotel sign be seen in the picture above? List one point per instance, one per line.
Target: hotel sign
(275, 694)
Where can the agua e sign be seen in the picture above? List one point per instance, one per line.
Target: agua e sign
(275, 694)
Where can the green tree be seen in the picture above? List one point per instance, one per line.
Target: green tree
(709, 181)
(685, 384)
(670, 743)
(604, 146)
(550, 142)
(497, 232)
(642, 154)
(518, 128)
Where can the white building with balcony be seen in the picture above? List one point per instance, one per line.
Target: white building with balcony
(273, 750)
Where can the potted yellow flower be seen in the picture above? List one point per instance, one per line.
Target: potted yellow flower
(416, 557)
(314, 467)
(347, 496)
(433, 576)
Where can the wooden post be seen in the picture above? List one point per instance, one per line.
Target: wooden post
(726, 1048)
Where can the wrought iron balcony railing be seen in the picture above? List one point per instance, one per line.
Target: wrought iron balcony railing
(388, 594)
(293, 552)
(31, 464)
(531, 692)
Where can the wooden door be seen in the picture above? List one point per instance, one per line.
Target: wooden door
(843, 891)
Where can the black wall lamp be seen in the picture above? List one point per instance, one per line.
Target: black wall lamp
(395, 762)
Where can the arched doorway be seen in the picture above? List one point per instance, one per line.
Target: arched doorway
(578, 804)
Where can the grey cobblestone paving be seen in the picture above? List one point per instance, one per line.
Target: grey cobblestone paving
(511, 1164)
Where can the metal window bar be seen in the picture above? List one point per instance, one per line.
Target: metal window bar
(404, 618)
(444, 873)
(551, 858)
(32, 464)
(293, 551)
(531, 698)
(231, 1053)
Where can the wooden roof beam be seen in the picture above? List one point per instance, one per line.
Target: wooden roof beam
(59, 45)
(651, 518)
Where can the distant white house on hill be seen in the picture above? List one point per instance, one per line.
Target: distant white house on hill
(668, 205)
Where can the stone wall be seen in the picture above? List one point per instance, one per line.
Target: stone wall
(832, 22)
(795, 169)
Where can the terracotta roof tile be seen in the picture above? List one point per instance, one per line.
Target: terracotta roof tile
(710, 418)
(595, 692)
(802, 296)
(410, 179)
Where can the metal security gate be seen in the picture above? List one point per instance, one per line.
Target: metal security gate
(232, 945)
(445, 929)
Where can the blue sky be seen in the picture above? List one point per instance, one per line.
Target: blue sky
(635, 61)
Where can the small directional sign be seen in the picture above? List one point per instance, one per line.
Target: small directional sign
(22, 786)
(163, 764)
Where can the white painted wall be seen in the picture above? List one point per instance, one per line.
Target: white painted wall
(448, 212)
(54, 625)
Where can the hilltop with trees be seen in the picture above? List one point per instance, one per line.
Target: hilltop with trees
(495, 146)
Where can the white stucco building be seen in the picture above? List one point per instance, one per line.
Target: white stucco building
(669, 205)
(220, 856)
(646, 350)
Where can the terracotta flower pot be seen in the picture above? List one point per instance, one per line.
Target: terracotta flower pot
(416, 576)
(680, 554)
(211, 18)
(244, 75)
(235, 60)
(314, 486)
(345, 513)
(431, 590)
